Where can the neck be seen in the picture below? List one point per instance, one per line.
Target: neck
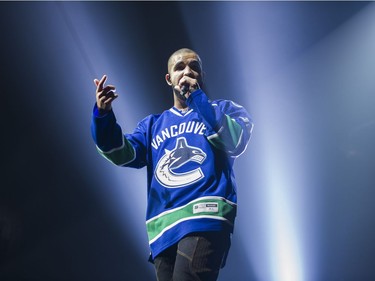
(179, 103)
(180, 107)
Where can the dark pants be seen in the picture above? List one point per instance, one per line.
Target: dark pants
(196, 257)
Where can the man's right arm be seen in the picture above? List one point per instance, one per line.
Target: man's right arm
(109, 139)
(107, 134)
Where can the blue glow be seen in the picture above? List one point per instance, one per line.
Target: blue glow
(281, 74)
(295, 78)
(303, 69)
(123, 190)
(255, 59)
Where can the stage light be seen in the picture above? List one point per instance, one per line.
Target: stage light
(122, 190)
(269, 230)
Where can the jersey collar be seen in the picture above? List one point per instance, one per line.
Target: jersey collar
(179, 112)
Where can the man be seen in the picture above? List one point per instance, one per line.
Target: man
(189, 152)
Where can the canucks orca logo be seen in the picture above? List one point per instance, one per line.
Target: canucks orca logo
(176, 158)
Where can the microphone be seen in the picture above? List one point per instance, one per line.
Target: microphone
(184, 90)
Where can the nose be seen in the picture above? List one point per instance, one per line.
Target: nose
(188, 71)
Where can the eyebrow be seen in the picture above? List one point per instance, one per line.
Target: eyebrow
(195, 62)
(192, 62)
(178, 64)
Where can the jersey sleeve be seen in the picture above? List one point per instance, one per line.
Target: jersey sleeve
(230, 125)
(121, 150)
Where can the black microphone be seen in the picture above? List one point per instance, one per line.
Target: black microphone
(184, 90)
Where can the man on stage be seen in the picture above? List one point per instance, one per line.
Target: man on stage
(189, 152)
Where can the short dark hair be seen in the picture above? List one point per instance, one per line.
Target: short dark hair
(179, 51)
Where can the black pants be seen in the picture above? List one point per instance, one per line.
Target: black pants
(196, 257)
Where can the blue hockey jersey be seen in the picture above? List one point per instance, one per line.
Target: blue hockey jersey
(189, 158)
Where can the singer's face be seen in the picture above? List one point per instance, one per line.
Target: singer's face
(184, 68)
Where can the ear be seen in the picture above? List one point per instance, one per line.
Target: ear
(202, 78)
(168, 79)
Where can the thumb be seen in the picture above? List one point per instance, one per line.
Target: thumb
(96, 82)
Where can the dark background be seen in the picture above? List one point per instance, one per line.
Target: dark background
(55, 222)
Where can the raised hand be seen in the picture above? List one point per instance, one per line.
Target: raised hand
(105, 95)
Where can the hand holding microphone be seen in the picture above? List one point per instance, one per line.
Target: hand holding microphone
(184, 90)
(187, 86)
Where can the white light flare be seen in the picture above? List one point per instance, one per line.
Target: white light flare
(284, 250)
(260, 51)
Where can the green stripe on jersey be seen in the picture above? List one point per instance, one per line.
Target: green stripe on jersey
(120, 155)
(235, 130)
(212, 207)
(228, 141)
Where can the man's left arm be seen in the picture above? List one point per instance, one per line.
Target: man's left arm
(230, 124)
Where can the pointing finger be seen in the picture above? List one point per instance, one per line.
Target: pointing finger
(101, 83)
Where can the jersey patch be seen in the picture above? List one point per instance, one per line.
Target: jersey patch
(176, 158)
(210, 207)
